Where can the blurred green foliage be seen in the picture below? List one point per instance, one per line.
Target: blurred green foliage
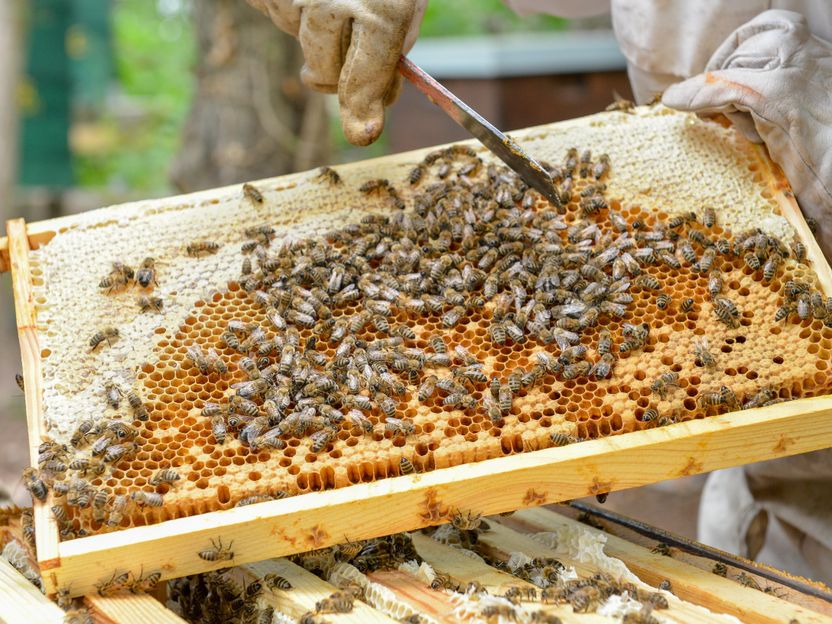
(445, 18)
(130, 147)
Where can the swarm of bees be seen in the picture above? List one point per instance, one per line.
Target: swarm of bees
(96, 446)
(474, 243)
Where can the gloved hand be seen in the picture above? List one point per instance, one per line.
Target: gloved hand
(773, 78)
(352, 47)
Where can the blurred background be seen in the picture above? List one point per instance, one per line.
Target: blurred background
(107, 101)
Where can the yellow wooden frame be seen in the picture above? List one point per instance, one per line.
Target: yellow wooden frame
(361, 511)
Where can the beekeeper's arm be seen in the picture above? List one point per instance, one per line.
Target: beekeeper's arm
(773, 78)
(351, 47)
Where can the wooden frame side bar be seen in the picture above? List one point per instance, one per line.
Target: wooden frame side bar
(46, 529)
(317, 520)
(783, 195)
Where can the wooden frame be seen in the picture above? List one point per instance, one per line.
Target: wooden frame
(363, 511)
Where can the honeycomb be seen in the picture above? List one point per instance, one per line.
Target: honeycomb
(663, 164)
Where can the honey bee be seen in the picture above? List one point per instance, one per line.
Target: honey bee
(760, 398)
(150, 304)
(149, 499)
(406, 466)
(144, 583)
(601, 167)
(84, 465)
(665, 381)
(358, 419)
(663, 301)
(452, 317)
(274, 581)
(146, 274)
(728, 396)
(618, 222)
(706, 261)
(117, 452)
(166, 475)
(113, 394)
(726, 311)
(113, 585)
(339, 602)
(108, 334)
(603, 367)
(577, 369)
(398, 426)
(681, 219)
(416, 174)
(252, 193)
(427, 388)
(320, 439)
(799, 250)
(374, 186)
(505, 398)
(752, 260)
(771, 265)
(81, 615)
(748, 581)
(329, 175)
(34, 484)
(702, 353)
(648, 282)
(197, 357)
(709, 217)
(710, 399)
(650, 415)
(116, 280)
(198, 249)
(460, 400)
(715, 283)
(687, 305)
(217, 552)
(117, 510)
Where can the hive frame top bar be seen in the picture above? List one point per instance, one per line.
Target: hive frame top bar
(323, 518)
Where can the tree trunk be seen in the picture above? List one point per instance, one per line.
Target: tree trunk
(251, 117)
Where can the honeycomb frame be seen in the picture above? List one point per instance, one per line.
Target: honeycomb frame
(401, 163)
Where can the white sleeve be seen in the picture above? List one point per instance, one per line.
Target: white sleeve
(560, 8)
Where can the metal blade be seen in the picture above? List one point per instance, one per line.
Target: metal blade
(505, 148)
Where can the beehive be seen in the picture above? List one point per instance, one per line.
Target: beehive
(664, 164)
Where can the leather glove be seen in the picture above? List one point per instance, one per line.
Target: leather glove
(773, 78)
(352, 47)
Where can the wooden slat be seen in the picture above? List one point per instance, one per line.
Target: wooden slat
(701, 561)
(46, 529)
(131, 609)
(415, 593)
(464, 569)
(307, 589)
(20, 601)
(297, 524)
(689, 583)
(507, 540)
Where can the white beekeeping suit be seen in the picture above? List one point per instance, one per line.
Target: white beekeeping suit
(767, 65)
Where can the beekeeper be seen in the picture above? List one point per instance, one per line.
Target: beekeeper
(766, 64)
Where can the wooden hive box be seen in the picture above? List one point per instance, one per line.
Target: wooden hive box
(663, 163)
